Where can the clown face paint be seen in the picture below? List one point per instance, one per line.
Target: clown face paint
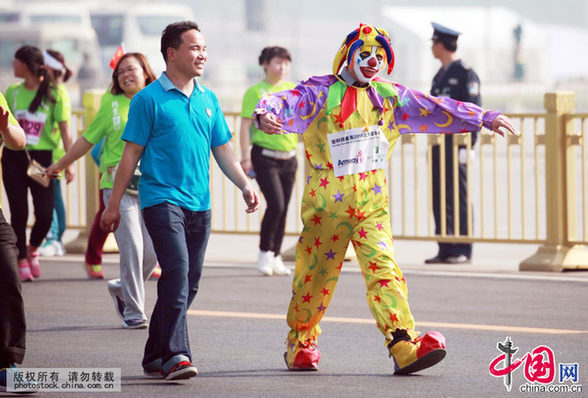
(367, 62)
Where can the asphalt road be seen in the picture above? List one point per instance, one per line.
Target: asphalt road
(237, 331)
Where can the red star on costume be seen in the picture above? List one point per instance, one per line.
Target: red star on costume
(393, 317)
(360, 215)
(297, 308)
(357, 243)
(308, 155)
(340, 266)
(338, 119)
(306, 299)
(384, 282)
(404, 116)
(463, 131)
(335, 238)
(317, 242)
(302, 103)
(324, 182)
(350, 211)
(341, 178)
(325, 292)
(373, 266)
(316, 220)
(423, 127)
(362, 176)
(377, 298)
(354, 188)
(362, 233)
(329, 165)
(312, 193)
(308, 278)
(309, 249)
(379, 226)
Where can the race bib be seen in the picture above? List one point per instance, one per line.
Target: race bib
(32, 124)
(357, 150)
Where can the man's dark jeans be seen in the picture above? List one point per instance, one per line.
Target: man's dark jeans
(180, 237)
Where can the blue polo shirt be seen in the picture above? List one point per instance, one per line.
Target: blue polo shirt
(177, 133)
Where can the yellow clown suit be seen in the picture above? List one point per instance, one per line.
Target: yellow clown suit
(350, 122)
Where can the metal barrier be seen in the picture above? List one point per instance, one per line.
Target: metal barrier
(525, 188)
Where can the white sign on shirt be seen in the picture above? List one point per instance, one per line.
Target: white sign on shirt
(357, 150)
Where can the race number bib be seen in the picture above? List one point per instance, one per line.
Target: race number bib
(357, 150)
(32, 124)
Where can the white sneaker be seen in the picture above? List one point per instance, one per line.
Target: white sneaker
(48, 249)
(279, 267)
(59, 248)
(265, 263)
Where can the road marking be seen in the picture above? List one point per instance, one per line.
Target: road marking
(578, 277)
(581, 279)
(497, 328)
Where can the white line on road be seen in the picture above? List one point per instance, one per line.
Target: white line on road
(282, 317)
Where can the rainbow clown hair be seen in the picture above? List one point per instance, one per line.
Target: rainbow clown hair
(364, 35)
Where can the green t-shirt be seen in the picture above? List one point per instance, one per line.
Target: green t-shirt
(280, 142)
(60, 151)
(109, 123)
(38, 127)
(11, 118)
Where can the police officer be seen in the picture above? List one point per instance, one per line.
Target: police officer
(460, 82)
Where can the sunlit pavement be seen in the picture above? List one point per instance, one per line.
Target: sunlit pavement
(237, 326)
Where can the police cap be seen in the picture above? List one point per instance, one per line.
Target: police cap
(443, 33)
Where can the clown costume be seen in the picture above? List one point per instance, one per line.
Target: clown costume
(350, 122)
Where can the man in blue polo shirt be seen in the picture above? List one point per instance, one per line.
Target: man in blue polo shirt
(174, 124)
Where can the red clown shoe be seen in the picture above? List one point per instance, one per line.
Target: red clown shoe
(412, 353)
(304, 357)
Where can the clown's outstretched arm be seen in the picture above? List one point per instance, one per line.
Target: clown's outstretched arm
(290, 111)
(416, 112)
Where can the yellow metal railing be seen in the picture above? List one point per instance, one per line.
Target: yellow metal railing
(531, 188)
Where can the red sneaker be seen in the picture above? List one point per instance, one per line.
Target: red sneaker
(182, 370)
(156, 273)
(94, 271)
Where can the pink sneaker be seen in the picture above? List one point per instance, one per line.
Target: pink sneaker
(34, 264)
(24, 271)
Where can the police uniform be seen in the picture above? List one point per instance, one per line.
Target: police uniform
(459, 82)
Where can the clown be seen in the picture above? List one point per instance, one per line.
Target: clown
(350, 122)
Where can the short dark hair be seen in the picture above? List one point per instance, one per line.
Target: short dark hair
(115, 87)
(275, 51)
(449, 43)
(172, 35)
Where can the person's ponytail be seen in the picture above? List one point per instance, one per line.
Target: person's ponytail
(44, 90)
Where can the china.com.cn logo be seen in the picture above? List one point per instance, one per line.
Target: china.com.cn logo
(539, 368)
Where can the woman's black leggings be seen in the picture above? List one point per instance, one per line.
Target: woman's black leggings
(276, 179)
(17, 183)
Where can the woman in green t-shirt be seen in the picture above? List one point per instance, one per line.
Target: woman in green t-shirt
(53, 246)
(37, 104)
(137, 256)
(272, 161)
